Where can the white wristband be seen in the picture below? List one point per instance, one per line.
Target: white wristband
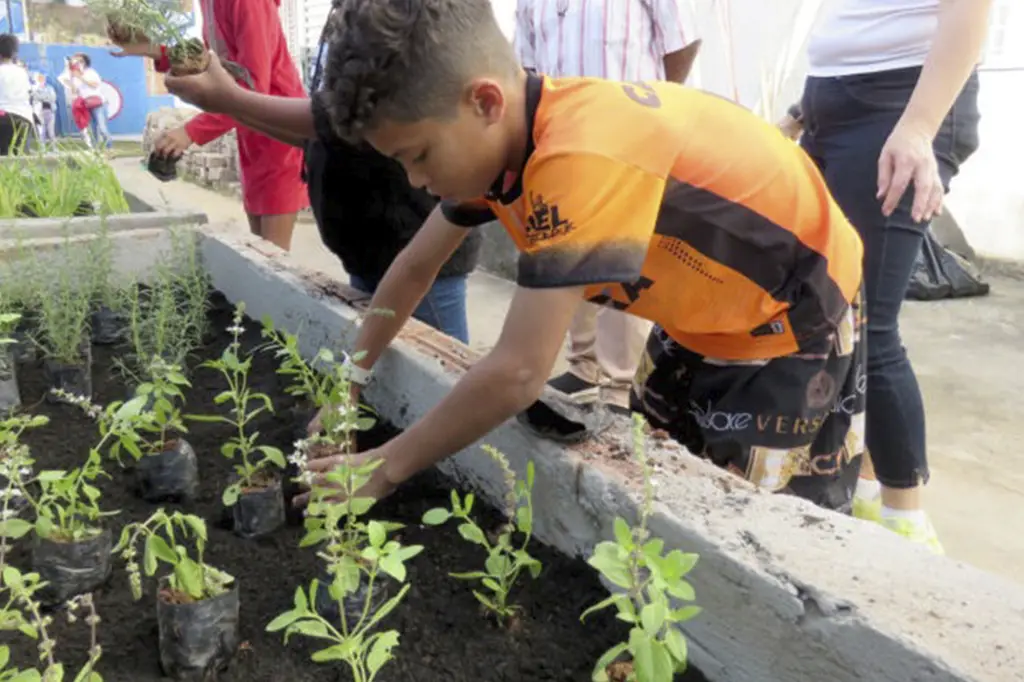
(355, 373)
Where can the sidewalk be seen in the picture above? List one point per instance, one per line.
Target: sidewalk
(966, 354)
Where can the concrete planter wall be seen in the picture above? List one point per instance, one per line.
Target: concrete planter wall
(791, 593)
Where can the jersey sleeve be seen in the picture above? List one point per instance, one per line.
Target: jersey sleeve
(467, 213)
(589, 220)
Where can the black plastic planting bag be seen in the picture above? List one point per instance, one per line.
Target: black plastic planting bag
(10, 396)
(198, 639)
(107, 326)
(75, 379)
(71, 568)
(171, 475)
(354, 602)
(259, 512)
(163, 168)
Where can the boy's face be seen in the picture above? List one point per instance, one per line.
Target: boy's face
(457, 157)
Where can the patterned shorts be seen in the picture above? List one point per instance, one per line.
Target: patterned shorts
(793, 424)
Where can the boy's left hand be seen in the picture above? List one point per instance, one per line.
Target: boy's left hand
(210, 91)
(172, 143)
(378, 487)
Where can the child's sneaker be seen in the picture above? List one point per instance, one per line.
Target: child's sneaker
(867, 509)
(919, 531)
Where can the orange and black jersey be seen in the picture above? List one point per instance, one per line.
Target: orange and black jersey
(680, 207)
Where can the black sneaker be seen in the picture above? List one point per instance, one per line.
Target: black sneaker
(576, 389)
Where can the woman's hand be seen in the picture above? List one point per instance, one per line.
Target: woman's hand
(211, 90)
(172, 143)
(906, 158)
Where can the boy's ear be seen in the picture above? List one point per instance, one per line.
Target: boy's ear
(487, 98)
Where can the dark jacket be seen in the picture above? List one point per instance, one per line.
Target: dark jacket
(365, 207)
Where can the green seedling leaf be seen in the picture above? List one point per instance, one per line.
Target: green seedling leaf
(623, 534)
(652, 617)
(610, 560)
(162, 550)
(376, 534)
(651, 660)
(686, 613)
(15, 528)
(393, 566)
(676, 645)
(600, 673)
(285, 619)
(472, 532)
(231, 495)
(380, 651)
(436, 516)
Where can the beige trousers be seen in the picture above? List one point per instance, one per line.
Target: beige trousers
(604, 349)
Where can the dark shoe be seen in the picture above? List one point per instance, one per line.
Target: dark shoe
(547, 423)
(576, 389)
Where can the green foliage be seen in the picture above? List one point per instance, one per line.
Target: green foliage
(64, 302)
(650, 580)
(505, 560)
(244, 445)
(159, 535)
(357, 551)
(59, 186)
(161, 21)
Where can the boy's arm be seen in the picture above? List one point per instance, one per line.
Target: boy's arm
(595, 228)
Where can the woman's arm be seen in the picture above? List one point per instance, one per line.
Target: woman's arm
(907, 157)
(955, 51)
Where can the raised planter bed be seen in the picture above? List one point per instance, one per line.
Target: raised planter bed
(789, 592)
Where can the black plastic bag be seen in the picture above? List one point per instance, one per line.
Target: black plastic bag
(163, 168)
(941, 273)
(197, 640)
(258, 512)
(172, 474)
(71, 568)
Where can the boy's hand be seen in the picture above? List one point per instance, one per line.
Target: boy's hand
(211, 90)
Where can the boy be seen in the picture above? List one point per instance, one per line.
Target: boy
(664, 202)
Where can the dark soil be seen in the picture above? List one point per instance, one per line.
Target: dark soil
(444, 635)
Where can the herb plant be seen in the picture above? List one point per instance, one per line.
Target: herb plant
(145, 424)
(235, 370)
(650, 580)
(505, 560)
(356, 551)
(64, 305)
(191, 578)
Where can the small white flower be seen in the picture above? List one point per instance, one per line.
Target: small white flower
(236, 329)
(8, 513)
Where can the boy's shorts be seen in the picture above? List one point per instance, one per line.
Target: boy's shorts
(793, 424)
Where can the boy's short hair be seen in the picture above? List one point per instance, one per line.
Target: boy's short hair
(407, 60)
(8, 46)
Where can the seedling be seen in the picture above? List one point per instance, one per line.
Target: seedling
(13, 470)
(148, 427)
(356, 552)
(636, 563)
(22, 612)
(196, 602)
(247, 404)
(505, 561)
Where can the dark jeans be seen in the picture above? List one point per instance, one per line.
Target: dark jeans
(443, 308)
(846, 122)
(17, 134)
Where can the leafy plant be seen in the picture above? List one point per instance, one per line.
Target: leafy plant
(64, 304)
(22, 612)
(8, 321)
(636, 563)
(15, 466)
(191, 578)
(244, 445)
(61, 186)
(505, 561)
(145, 424)
(356, 551)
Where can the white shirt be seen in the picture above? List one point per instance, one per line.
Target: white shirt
(865, 36)
(624, 40)
(81, 87)
(15, 90)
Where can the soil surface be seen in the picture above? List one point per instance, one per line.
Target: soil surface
(444, 635)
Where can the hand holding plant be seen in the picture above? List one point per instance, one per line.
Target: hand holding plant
(650, 579)
(505, 561)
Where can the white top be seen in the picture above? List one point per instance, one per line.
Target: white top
(864, 36)
(15, 90)
(86, 84)
(624, 40)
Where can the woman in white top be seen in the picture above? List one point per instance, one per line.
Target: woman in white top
(889, 114)
(16, 129)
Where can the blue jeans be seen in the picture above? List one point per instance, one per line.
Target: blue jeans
(846, 122)
(443, 308)
(98, 126)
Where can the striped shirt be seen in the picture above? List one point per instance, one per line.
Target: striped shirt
(624, 40)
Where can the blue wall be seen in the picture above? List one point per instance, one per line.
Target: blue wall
(18, 10)
(125, 76)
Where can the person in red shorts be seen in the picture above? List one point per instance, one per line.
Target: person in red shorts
(663, 201)
(249, 33)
